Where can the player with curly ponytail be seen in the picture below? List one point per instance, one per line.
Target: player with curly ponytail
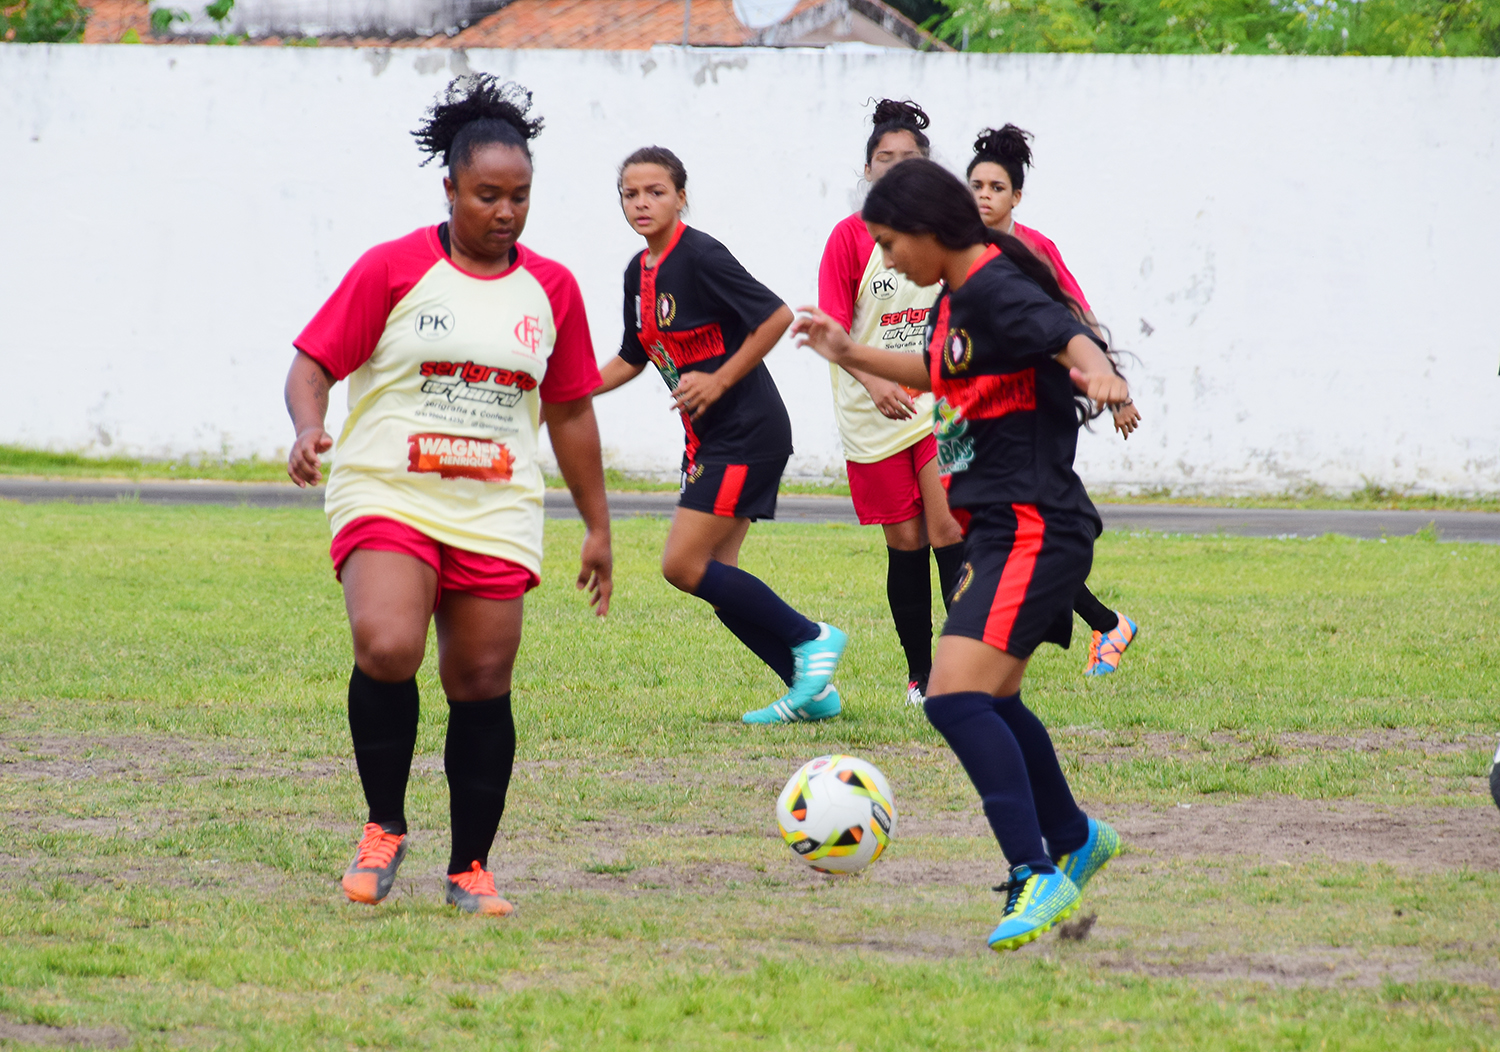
(996, 174)
(452, 339)
(1005, 354)
(885, 428)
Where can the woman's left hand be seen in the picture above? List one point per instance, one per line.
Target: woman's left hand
(1127, 418)
(696, 392)
(596, 570)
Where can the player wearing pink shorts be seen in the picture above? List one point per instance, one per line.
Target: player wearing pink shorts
(886, 429)
(997, 173)
(452, 338)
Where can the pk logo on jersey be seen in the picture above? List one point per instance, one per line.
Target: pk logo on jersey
(883, 285)
(529, 332)
(434, 323)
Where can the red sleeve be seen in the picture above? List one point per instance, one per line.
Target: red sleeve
(343, 334)
(571, 370)
(845, 258)
(1065, 277)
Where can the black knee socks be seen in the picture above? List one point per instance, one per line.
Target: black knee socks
(750, 601)
(763, 644)
(950, 563)
(383, 723)
(984, 744)
(1062, 823)
(478, 757)
(1099, 617)
(908, 588)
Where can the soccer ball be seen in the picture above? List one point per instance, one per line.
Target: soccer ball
(1495, 778)
(837, 813)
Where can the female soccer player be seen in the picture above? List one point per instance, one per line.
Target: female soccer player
(693, 312)
(996, 175)
(451, 338)
(1004, 352)
(886, 429)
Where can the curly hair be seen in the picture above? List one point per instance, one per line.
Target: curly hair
(1008, 147)
(658, 155)
(892, 115)
(473, 111)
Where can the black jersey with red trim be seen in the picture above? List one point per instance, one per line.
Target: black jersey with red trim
(1005, 419)
(701, 306)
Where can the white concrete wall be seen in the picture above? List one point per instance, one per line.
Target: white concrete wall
(1311, 242)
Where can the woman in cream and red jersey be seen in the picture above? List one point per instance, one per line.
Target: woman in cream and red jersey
(996, 175)
(886, 429)
(452, 338)
(1006, 355)
(707, 325)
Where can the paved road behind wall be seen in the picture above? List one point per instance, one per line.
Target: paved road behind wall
(1250, 522)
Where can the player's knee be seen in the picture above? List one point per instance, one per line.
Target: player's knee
(477, 680)
(387, 656)
(682, 573)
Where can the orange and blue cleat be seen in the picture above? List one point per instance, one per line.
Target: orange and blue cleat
(373, 871)
(1107, 648)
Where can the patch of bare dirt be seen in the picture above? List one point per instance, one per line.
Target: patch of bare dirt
(145, 756)
(1314, 966)
(1099, 746)
(1286, 829)
(61, 1036)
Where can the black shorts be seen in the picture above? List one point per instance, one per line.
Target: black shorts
(738, 491)
(1023, 566)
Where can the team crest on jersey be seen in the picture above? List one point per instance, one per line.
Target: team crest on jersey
(529, 332)
(666, 309)
(455, 457)
(471, 382)
(434, 323)
(958, 351)
(955, 444)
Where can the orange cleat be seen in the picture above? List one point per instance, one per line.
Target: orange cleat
(373, 871)
(1107, 648)
(474, 892)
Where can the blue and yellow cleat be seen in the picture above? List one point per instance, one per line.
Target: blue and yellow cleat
(814, 662)
(1033, 903)
(1107, 648)
(1102, 845)
(824, 707)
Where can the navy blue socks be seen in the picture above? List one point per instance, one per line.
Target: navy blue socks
(478, 757)
(1058, 816)
(751, 600)
(1099, 617)
(383, 724)
(984, 744)
(763, 644)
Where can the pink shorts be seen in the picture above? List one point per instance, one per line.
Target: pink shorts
(483, 576)
(886, 491)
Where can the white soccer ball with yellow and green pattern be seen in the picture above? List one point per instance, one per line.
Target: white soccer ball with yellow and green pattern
(837, 814)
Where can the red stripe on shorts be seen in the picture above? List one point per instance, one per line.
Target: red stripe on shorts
(1016, 577)
(730, 488)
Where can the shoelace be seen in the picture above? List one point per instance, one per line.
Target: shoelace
(476, 881)
(377, 848)
(1013, 888)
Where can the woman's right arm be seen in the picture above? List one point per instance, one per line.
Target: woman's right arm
(827, 337)
(307, 387)
(616, 373)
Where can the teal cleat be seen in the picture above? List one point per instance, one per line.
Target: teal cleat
(824, 707)
(814, 662)
(1102, 845)
(1033, 903)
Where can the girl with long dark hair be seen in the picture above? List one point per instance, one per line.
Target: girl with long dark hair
(452, 338)
(996, 174)
(886, 430)
(1015, 371)
(693, 312)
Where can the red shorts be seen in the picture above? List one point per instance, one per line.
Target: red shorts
(482, 576)
(887, 491)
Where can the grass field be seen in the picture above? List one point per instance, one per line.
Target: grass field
(1294, 751)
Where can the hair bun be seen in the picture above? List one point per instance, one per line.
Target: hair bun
(893, 111)
(1007, 144)
(475, 97)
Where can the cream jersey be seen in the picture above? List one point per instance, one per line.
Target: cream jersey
(447, 371)
(879, 308)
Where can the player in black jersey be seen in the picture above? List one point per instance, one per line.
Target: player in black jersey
(693, 312)
(1006, 355)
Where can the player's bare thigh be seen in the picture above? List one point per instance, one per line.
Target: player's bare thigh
(477, 644)
(695, 538)
(963, 664)
(389, 599)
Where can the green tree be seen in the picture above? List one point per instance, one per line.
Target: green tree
(1450, 28)
(43, 22)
